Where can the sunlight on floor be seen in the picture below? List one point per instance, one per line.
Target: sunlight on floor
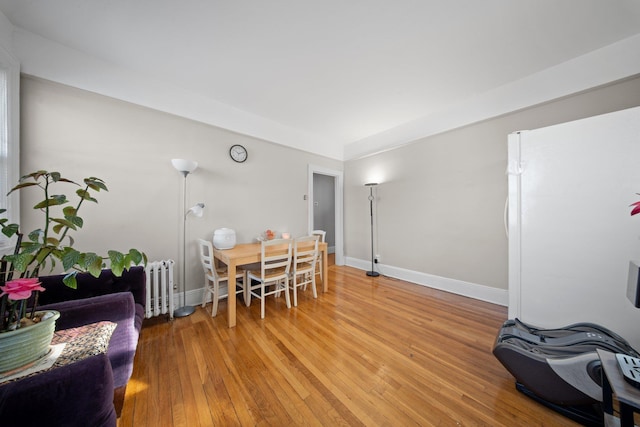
(134, 386)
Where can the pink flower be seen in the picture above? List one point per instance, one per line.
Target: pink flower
(20, 288)
(636, 208)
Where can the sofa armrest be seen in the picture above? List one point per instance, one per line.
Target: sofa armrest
(78, 394)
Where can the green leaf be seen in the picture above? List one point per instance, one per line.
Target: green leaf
(54, 200)
(69, 211)
(67, 180)
(20, 261)
(10, 230)
(95, 183)
(22, 185)
(55, 176)
(69, 258)
(84, 194)
(91, 262)
(64, 223)
(34, 176)
(77, 221)
(117, 262)
(52, 241)
(70, 280)
(31, 247)
(115, 256)
(137, 257)
(45, 252)
(36, 235)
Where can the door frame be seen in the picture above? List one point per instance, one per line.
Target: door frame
(339, 208)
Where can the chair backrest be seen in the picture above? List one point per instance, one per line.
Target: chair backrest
(305, 252)
(206, 258)
(320, 233)
(275, 258)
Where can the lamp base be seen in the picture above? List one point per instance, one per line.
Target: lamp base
(373, 273)
(185, 311)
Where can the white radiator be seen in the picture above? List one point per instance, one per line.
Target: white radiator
(159, 288)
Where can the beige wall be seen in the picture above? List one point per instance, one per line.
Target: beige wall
(82, 134)
(441, 202)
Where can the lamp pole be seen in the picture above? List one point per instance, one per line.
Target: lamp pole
(185, 310)
(185, 167)
(371, 273)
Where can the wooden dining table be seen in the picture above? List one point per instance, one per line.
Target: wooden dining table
(250, 253)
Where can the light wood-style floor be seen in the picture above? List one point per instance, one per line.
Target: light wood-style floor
(373, 352)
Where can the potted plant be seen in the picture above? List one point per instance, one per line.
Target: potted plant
(41, 250)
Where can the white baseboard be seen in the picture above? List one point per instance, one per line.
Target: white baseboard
(459, 287)
(194, 297)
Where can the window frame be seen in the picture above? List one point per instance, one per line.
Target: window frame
(9, 143)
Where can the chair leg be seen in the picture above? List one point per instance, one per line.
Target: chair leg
(293, 289)
(262, 300)
(320, 270)
(313, 286)
(286, 295)
(215, 297)
(205, 292)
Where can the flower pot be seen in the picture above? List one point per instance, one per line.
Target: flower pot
(28, 343)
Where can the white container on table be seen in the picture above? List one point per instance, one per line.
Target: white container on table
(224, 238)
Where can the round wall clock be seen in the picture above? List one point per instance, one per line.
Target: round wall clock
(238, 153)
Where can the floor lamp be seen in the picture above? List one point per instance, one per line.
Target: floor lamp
(371, 198)
(186, 167)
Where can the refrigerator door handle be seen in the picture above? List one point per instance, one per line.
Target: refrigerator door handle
(514, 167)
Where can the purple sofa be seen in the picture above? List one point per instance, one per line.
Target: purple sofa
(89, 392)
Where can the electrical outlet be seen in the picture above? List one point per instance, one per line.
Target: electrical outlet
(376, 259)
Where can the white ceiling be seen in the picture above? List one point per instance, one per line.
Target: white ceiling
(340, 78)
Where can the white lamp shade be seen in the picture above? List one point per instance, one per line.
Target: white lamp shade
(184, 165)
(197, 210)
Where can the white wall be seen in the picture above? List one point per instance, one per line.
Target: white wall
(82, 134)
(440, 205)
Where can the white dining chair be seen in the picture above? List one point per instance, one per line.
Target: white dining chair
(273, 276)
(305, 256)
(321, 237)
(214, 276)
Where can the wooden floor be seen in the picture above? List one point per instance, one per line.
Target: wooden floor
(371, 351)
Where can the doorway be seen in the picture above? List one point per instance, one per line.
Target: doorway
(326, 208)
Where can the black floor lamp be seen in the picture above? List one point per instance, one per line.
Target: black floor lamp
(371, 198)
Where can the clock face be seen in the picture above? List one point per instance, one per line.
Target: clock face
(238, 153)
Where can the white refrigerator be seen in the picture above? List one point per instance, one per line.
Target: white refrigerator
(571, 235)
